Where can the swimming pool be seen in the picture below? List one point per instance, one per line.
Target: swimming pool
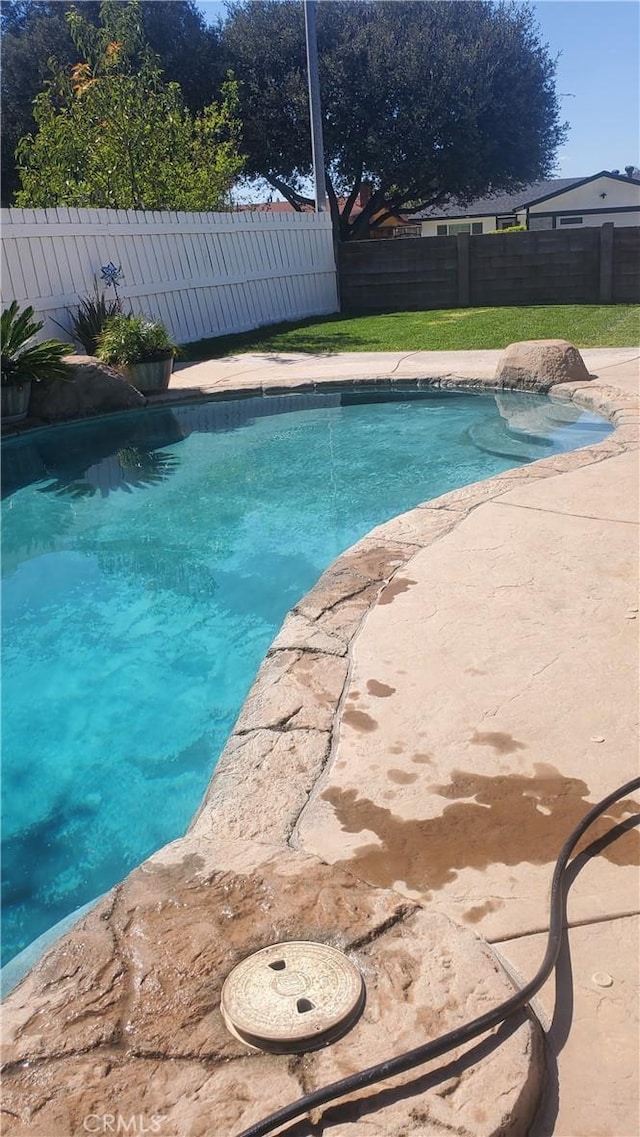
(148, 561)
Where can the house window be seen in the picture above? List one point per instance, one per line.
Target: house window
(570, 220)
(456, 227)
(506, 222)
(406, 231)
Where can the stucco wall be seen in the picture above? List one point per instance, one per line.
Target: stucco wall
(588, 197)
(430, 228)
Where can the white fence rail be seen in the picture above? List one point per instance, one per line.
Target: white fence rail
(202, 274)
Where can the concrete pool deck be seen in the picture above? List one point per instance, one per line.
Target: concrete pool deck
(431, 721)
(256, 372)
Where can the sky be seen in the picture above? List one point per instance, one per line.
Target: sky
(598, 79)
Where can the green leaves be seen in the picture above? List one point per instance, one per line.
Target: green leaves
(425, 100)
(23, 360)
(16, 328)
(112, 134)
(90, 319)
(133, 339)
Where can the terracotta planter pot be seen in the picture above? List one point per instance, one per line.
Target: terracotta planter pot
(15, 401)
(150, 376)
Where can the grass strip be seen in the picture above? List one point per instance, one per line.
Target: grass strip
(453, 329)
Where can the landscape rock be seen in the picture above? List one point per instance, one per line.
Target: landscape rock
(535, 365)
(94, 389)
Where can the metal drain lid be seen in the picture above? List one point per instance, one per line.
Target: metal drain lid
(292, 996)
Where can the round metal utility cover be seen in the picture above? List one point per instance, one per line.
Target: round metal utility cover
(292, 996)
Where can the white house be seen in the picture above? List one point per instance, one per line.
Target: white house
(553, 204)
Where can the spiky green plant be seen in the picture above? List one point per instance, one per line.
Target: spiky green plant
(21, 358)
(91, 318)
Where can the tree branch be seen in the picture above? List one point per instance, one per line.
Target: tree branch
(297, 200)
(363, 220)
(353, 196)
(334, 208)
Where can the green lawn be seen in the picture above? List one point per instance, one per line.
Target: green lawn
(457, 329)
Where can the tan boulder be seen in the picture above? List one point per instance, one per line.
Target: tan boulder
(536, 365)
(94, 389)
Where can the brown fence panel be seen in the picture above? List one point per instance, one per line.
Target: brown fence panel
(539, 267)
(551, 266)
(626, 265)
(398, 275)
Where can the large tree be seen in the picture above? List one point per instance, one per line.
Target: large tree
(35, 31)
(427, 101)
(112, 134)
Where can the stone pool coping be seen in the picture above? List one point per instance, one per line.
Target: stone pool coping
(283, 740)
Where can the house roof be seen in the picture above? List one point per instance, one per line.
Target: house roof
(272, 207)
(286, 207)
(498, 203)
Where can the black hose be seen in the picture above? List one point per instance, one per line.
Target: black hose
(430, 1050)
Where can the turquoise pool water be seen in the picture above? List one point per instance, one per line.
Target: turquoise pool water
(148, 561)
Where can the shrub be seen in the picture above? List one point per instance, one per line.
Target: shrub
(23, 360)
(134, 339)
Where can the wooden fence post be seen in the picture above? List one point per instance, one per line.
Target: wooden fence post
(606, 263)
(462, 242)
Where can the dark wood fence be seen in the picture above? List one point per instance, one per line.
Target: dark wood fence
(555, 266)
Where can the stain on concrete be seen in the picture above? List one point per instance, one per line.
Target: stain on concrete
(396, 749)
(475, 915)
(474, 671)
(379, 690)
(401, 777)
(359, 720)
(513, 819)
(501, 742)
(353, 695)
(422, 758)
(397, 586)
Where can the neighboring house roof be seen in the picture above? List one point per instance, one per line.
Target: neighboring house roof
(272, 207)
(286, 207)
(499, 203)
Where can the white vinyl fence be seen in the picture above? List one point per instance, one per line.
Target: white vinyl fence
(202, 274)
